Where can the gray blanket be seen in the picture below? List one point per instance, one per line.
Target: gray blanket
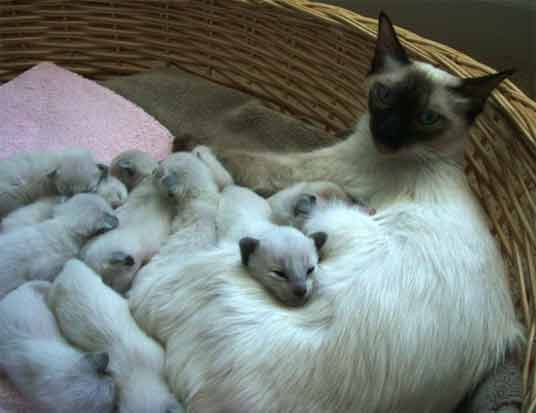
(197, 111)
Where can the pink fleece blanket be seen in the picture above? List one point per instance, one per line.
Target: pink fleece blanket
(48, 108)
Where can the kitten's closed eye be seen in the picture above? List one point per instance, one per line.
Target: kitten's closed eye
(310, 270)
(281, 274)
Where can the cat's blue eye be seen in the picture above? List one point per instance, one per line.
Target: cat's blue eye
(428, 117)
(383, 94)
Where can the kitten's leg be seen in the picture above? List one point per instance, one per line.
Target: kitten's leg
(220, 174)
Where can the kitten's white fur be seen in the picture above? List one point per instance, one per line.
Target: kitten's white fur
(96, 318)
(42, 365)
(113, 191)
(31, 214)
(27, 177)
(412, 306)
(38, 252)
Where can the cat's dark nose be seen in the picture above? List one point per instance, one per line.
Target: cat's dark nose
(299, 291)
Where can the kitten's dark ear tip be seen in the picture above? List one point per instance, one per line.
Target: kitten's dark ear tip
(247, 246)
(319, 238)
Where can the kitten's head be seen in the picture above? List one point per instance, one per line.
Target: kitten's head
(78, 172)
(415, 106)
(87, 214)
(113, 191)
(284, 260)
(130, 167)
(182, 175)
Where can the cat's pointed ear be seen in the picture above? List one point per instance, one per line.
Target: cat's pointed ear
(319, 239)
(388, 47)
(247, 246)
(478, 89)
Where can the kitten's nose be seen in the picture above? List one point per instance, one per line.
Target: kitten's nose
(299, 290)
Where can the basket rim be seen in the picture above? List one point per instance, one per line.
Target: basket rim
(514, 103)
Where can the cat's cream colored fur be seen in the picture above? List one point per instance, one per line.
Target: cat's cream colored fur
(412, 306)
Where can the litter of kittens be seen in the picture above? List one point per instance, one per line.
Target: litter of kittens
(165, 282)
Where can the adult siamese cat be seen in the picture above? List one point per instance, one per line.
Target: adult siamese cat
(412, 308)
(418, 116)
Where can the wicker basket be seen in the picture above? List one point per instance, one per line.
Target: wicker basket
(307, 59)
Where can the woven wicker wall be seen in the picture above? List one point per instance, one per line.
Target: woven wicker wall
(309, 60)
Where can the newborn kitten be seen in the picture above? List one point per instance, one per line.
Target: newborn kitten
(47, 370)
(282, 259)
(38, 252)
(96, 318)
(27, 177)
(132, 166)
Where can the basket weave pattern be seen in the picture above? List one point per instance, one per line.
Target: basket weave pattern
(308, 60)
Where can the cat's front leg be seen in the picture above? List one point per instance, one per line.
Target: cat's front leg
(264, 173)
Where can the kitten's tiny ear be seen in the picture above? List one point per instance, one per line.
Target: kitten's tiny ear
(99, 360)
(478, 90)
(319, 239)
(53, 175)
(247, 246)
(103, 168)
(126, 166)
(387, 46)
(119, 257)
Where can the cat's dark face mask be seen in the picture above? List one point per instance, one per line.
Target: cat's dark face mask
(402, 111)
(400, 115)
